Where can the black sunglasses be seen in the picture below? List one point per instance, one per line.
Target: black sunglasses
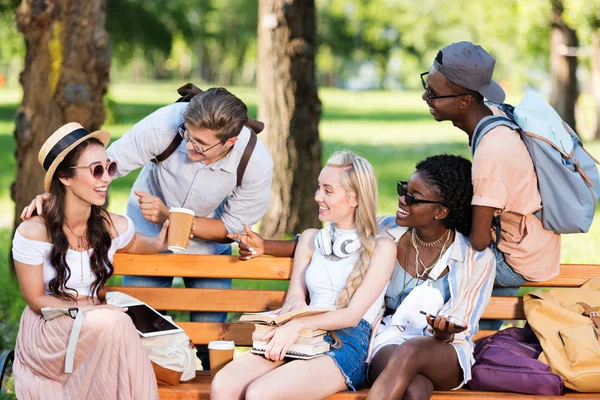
(409, 199)
(432, 97)
(97, 169)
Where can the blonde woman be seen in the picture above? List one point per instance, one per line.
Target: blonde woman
(352, 277)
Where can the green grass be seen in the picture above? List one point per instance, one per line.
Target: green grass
(392, 129)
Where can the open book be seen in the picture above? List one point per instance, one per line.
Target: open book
(270, 317)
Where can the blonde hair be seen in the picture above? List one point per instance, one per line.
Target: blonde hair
(358, 178)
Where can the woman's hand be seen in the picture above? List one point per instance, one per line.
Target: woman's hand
(161, 239)
(251, 244)
(36, 204)
(291, 305)
(444, 328)
(280, 339)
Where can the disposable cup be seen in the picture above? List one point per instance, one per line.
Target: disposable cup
(220, 353)
(180, 227)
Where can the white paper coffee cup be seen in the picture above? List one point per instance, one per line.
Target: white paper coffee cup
(220, 353)
(180, 225)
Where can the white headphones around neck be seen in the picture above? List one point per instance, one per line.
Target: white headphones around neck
(344, 246)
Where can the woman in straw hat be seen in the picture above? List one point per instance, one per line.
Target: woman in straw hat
(63, 261)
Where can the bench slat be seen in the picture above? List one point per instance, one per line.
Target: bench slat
(241, 334)
(276, 268)
(180, 299)
(203, 266)
(199, 389)
(238, 300)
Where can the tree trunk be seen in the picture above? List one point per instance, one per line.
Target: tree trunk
(563, 65)
(595, 71)
(66, 73)
(291, 109)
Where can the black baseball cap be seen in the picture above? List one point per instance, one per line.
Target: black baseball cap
(470, 66)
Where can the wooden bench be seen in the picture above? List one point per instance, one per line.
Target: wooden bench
(236, 300)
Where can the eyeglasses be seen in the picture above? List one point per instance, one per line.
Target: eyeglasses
(97, 169)
(199, 149)
(409, 199)
(431, 96)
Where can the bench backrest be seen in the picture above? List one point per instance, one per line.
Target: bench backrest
(265, 268)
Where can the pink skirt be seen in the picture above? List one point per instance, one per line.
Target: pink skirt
(109, 363)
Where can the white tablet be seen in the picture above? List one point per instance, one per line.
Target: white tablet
(148, 321)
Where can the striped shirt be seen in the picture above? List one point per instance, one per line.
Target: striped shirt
(471, 278)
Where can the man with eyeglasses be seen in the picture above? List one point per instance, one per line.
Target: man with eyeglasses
(504, 179)
(201, 174)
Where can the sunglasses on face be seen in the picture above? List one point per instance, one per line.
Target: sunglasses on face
(199, 149)
(409, 199)
(433, 97)
(97, 169)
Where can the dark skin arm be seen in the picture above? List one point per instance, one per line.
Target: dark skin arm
(253, 245)
(481, 229)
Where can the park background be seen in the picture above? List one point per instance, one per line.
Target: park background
(364, 58)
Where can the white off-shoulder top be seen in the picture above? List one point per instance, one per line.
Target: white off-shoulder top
(34, 252)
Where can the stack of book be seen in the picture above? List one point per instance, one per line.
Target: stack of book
(310, 343)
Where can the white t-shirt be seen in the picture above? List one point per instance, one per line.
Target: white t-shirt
(325, 279)
(35, 252)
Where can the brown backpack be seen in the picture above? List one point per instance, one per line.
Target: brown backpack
(187, 93)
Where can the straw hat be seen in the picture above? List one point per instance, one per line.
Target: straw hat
(61, 142)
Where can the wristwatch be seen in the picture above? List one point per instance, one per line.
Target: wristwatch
(73, 311)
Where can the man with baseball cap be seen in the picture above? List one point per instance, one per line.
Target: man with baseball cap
(504, 179)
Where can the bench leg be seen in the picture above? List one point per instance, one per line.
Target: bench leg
(5, 357)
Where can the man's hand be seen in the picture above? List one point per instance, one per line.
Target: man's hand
(153, 209)
(36, 204)
(251, 244)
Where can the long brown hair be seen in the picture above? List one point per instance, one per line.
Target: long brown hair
(97, 234)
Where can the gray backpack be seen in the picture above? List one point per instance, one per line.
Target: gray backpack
(567, 174)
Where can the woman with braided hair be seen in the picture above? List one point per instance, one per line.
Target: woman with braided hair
(345, 265)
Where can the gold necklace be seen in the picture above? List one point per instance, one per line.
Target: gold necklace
(418, 261)
(428, 244)
(79, 247)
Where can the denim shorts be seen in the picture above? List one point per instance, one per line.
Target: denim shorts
(351, 357)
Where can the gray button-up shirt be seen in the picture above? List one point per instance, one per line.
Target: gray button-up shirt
(210, 190)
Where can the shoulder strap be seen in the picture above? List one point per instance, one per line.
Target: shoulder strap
(487, 124)
(246, 157)
(187, 93)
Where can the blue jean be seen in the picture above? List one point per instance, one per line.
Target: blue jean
(351, 357)
(197, 283)
(508, 282)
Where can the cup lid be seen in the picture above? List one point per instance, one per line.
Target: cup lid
(221, 345)
(181, 210)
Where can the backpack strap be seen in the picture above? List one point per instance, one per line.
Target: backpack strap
(246, 157)
(484, 126)
(487, 124)
(187, 93)
(591, 313)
